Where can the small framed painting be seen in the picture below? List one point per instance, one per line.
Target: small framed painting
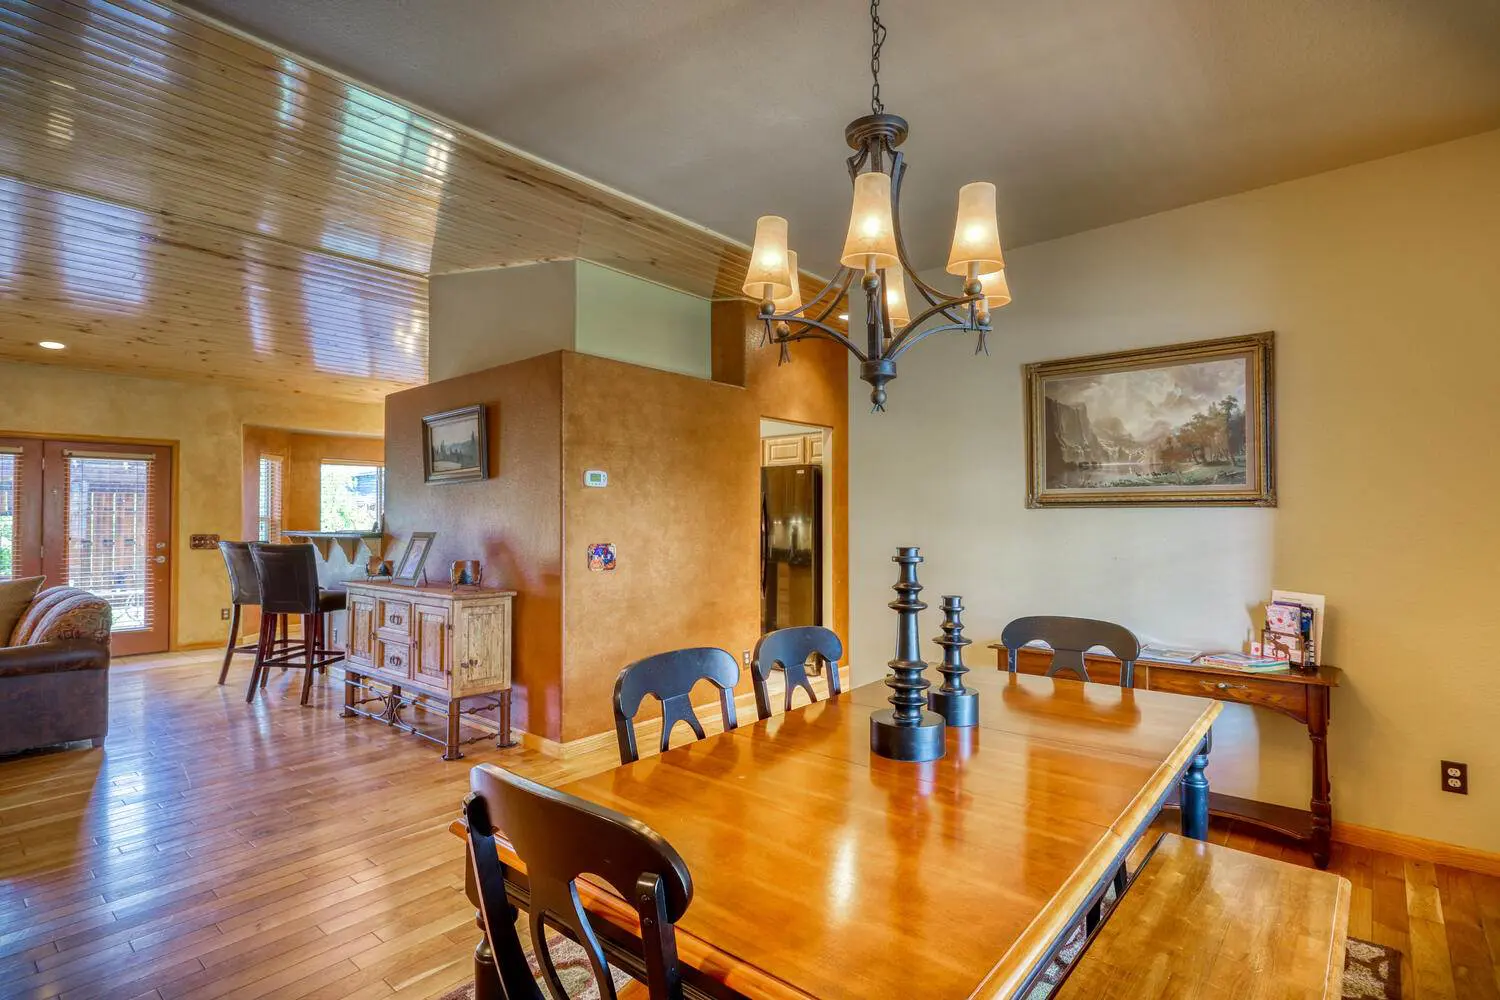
(454, 446)
(408, 571)
(1187, 424)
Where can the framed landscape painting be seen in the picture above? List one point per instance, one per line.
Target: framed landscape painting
(1187, 424)
(455, 449)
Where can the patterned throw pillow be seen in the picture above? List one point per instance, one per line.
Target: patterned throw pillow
(64, 613)
(15, 597)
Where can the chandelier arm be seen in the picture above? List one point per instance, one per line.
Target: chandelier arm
(933, 295)
(823, 330)
(840, 281)
(917, 338)
(909, 334)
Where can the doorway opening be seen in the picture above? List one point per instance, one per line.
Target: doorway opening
(796, 521)
(96, 515)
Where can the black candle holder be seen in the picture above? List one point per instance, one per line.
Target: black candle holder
(953, 701)
(906, 731)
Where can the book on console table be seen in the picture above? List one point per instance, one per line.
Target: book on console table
(1170, 654)
(1244, 663)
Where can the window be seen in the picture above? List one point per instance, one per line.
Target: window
(268, 511)
(10, 507)
(352, 496)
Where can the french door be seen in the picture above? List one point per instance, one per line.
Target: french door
(97, 516)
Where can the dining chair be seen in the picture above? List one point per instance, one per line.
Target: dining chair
(288, 578)
(670, 678)
(1070, 638)
(790, 649)
(558, 838)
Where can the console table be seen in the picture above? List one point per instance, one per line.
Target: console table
(430, 646)
(1303, 697)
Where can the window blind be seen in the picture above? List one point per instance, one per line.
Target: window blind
(10, 510)
(107, 544)
(272, 483)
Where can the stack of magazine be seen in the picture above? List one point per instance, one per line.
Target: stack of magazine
(1246, 663)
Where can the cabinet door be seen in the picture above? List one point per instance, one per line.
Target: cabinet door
(784, 451)
(361, 626)
(481, 647)
(430, 645)
(815, 448)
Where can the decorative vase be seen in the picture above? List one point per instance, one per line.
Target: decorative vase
(953, 701)
(906, 731)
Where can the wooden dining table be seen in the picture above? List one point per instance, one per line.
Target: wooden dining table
(822, 870)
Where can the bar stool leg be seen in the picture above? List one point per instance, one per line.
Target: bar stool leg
(234, 635)
(271, 648)
(309, 654)
(258, 672)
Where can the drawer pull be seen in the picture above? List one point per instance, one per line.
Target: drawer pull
(393, 619)
(1226, 686)
(394, 661)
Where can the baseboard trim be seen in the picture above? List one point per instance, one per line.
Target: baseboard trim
(1453, 855)
(648, 731)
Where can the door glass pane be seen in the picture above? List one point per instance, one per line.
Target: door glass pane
(10, 482)
(268, 511)
(108, 515)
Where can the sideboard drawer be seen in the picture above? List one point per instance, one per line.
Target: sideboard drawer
(395, 616)
(1249, 689)
(394, 658)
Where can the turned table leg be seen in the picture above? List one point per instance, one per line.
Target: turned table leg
(506, 739)
(1322, 789)
(450, 749)
(1195, 793)
(486, 975)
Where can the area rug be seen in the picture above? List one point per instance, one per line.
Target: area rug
(1371, 971)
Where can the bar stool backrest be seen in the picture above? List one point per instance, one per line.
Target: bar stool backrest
(288, 577)
(244, 583)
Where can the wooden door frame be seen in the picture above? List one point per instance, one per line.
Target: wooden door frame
(174, 449)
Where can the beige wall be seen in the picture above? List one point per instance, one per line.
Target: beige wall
(1382, 282)
(622, 317)
(206, 423)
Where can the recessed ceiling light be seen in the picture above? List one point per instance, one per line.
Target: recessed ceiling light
(844, 317)
(51, 345)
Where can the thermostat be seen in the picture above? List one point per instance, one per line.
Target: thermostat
(597, 478)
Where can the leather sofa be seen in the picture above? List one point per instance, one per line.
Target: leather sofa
(54, 675)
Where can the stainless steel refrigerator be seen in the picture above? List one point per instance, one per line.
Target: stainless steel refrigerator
(791, 546)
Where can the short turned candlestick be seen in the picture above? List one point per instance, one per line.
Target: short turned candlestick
(905, 731)
(954, 702)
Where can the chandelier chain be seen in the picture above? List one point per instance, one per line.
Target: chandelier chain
(877, 39)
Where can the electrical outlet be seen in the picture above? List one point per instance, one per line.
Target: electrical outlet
(1455, 777)
(746, 657)
(223, 614)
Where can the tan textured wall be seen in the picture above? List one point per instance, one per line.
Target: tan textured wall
(206, 422)
(683, 504)
(511, 522)
(1382, 282)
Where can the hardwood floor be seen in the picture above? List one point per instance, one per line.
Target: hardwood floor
(218, 849)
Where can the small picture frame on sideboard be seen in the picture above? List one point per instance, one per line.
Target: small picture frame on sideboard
(409, 567)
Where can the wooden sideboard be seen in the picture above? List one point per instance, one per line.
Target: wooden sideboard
(431, 647)
(1303, 697)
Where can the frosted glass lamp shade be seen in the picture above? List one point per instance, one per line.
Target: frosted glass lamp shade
(976, 237)
(793, 301)
(872, 232)
(769, 276)
(996, 288)
(895, 298)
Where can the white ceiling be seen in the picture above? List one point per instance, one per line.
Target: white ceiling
(1084, 112)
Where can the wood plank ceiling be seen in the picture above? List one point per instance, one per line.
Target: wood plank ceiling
(179, 201)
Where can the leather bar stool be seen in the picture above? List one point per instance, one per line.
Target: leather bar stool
(288, 576)
(244, 591)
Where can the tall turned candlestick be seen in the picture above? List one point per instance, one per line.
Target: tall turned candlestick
(905, 731)
(953, 701)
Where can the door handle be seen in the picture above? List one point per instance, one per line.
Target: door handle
(160, 559)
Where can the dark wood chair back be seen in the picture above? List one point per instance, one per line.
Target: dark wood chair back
(792, 648)
(559, 837)
(244, 584)
(288, 577)
(670, 678)
(1070, 638)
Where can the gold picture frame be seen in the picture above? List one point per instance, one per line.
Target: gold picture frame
(1186, 424)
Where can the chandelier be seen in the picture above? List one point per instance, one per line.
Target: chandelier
(875, 253)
